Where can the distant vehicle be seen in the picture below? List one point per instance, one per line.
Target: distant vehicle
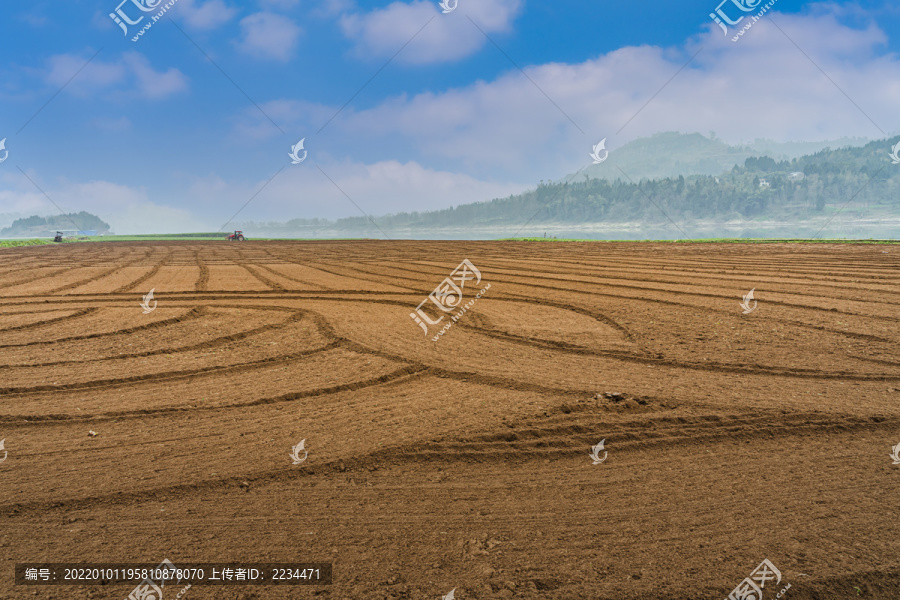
(237, 236)
(58, 237)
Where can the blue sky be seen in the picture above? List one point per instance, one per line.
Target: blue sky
(152, 136)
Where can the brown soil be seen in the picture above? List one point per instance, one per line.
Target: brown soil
(462, 463)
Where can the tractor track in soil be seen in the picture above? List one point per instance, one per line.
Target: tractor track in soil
(431, 463)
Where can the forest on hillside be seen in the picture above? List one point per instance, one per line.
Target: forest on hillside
(859, 183)
(858, 180)
(36, 225)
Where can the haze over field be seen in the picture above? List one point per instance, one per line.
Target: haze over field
(404, 109)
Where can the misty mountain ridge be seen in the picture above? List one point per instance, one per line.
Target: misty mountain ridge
(852, 190)
(671, 154)
(37, 226)
(673, 181)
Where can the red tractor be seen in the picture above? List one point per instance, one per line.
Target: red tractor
(237, 236)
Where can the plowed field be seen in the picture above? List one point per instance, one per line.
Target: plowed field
(456, 461)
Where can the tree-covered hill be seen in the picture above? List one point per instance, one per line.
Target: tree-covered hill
(40, 226)
(670, 154)
(859, 181)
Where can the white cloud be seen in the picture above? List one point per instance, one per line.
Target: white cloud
(204, 15)
(17, 199)
(331, 8)
(761, 86)
(61, 69)
(126, 209)
(268, 35)
(469, 141)
(297, 116)
(34, 19)
(391, 186)
(111, 124)
(101, 20)
(129, 74)
(302, 191)
(492, 138)
(379, 188)
(279, 4)
(154, 84)
(447, 37)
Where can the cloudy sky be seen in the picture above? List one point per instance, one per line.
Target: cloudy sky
(402, 106)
